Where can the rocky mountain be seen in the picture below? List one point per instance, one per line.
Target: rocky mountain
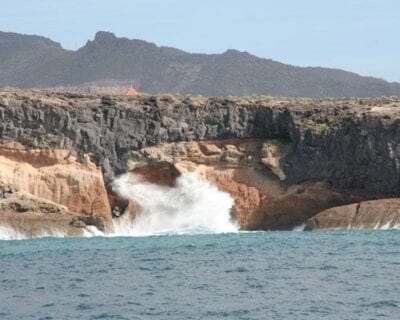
(32, 61)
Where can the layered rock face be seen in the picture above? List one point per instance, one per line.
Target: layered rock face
(350, 144)
(282, 160)
(51, 178)
(55, 175)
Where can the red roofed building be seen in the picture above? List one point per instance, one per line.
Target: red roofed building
(132, 92)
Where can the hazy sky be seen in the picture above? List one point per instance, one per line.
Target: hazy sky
(356, 35)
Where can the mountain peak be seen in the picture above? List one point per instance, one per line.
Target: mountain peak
(104, 36)
(236, 53)
(232, 51)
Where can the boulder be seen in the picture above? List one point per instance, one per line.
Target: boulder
(375, 214)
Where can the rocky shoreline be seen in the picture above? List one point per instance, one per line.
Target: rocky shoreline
(284, 161)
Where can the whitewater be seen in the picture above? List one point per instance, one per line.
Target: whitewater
(191, 206)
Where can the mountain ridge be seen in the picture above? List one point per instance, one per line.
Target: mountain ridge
(35, 61)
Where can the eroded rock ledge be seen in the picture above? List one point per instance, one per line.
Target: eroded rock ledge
(249, 170)
(378, 214)
(282, 160)
(48, 191)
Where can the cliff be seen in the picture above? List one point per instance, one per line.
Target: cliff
(341, 151)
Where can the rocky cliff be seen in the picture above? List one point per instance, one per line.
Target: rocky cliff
(305, 154)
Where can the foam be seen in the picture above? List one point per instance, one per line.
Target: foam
(192, 206)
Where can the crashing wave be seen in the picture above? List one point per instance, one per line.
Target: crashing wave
(387, 226)
(191, 206)
(299, 228)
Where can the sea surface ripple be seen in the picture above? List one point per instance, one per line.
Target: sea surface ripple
(262, 275)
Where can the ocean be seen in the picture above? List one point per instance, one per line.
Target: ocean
(245, 275)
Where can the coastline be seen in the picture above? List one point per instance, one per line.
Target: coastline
(283, 161)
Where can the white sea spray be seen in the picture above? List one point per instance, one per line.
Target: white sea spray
(191, 206)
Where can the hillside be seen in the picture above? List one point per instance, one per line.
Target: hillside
(32, 61)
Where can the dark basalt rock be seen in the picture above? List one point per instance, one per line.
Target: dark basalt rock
(347, 144)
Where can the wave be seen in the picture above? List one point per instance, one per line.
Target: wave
(299, 228)
(387, 226)
(10, 233)
(192, 206)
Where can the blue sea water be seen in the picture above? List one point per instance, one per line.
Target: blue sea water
(263, 275)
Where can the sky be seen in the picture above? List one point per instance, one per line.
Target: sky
(356, 35)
